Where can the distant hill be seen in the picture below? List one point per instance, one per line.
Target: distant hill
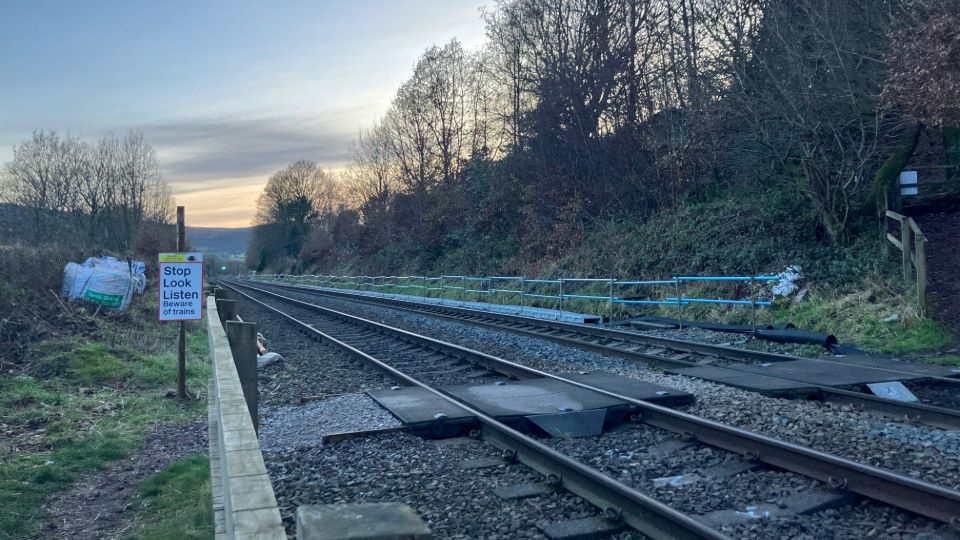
(219, 240)
(15, 225)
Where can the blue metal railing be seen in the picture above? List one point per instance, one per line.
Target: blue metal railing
(547, 289)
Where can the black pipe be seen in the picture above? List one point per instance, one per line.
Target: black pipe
(716, 327)
(828, 341)
(782, 333)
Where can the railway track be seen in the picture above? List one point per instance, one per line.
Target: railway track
(675, 354)
(639, 511)
(924, 498)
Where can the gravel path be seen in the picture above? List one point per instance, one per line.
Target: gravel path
(456, 502)
(307, 369)
(678, 475)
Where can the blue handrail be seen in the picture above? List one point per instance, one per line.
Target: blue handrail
(687, 301)
(727, 278)
(528, 286)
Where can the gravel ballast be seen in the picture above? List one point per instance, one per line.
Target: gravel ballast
(917, 451)
(288, 427)
(430, 476)
(829, 428)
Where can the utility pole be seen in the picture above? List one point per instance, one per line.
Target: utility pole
(182, 345)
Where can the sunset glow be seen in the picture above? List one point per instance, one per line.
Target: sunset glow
(226, 93)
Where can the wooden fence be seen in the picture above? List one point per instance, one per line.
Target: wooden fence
(913, 246)
(244, 503)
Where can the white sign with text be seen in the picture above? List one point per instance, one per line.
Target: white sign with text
(181, 286)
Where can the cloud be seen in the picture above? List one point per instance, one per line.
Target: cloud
(201, 186)
(212, 149)
(227, 203)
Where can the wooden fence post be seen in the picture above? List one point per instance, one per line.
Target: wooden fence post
(227, 310)
(921, 256)
(913, 247)
(243, 346)
(906, 246)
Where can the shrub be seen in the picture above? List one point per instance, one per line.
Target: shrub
(751, 234)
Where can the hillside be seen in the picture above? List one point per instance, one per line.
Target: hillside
(15, 222)
(219, 240)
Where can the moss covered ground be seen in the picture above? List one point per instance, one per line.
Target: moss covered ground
(78, 402)
(175, 503)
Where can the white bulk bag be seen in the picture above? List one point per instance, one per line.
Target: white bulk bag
(102, 281)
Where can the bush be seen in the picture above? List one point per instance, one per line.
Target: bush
(29, 278)
(750, 234)
(35, 269)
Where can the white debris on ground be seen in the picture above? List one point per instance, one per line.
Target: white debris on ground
(265, 358)
(268, 358)
(789, 281)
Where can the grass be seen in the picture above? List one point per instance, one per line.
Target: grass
(81, 404)
(856, 318)
(943, 360)
(877, 318)
(175, 503)
(88, 364)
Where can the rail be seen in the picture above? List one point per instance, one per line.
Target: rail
(641, 512)
(922, 497)
(586, 338)
(913, 247)
(561, 291)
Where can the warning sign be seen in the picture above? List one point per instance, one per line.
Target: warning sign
(181, 286)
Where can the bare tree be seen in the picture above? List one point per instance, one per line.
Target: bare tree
(292, 201)
(505, 33)
(809, 95)
(582, 111)
(97, 195)
(374, 172)
(432, 124)
(137, 181)
(924, 65)
(34, 179)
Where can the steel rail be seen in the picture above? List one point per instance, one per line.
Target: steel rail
(641, 512)
(719, 351)
(921, 497)
(930, 415)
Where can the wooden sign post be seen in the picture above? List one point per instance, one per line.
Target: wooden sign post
(182, 343)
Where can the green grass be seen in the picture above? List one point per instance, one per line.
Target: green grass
(175, 503)
(859, 319)
(943, 360)
(85, 405)
(87, 365)
(29, 477)
(878, 317)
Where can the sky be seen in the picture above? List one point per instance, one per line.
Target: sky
(227, 92)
